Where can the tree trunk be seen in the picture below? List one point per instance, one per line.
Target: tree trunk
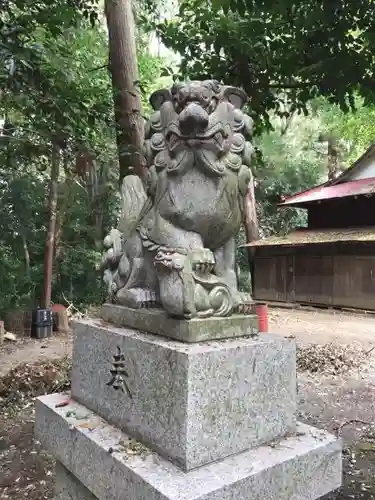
(26, 254)
(94, 184)
(333, 159)
(50, 240)
(63, 201)
(125, 83)
(95, 179)
(251, 219)
(251, 227)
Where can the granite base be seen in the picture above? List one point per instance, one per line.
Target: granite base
(157, 321)
(107, 463)
(192, 403)
(67, 487)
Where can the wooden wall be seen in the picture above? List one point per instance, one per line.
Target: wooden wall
(314, 274)
(342, 213)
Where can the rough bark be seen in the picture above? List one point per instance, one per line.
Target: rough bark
(94, 177)
(94, 182)
(251, 227)
(125, 82)
(50, 240)
(333, 159)
(26, 254)
(63, 200)
(251, 219)
(333, 154)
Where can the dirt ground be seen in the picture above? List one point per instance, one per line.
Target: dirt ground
(32, 350)
(323, 326)
(343, 404)
(316, 326)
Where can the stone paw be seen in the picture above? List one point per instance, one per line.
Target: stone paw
(202, 260)
(137, 298)
(245, 304)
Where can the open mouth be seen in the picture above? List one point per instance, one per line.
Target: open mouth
(215, 134)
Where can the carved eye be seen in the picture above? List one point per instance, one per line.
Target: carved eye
(205, 93)
(213, 105)
(160, 160)
(238, 143)
(182, 95)
(238, 120)
(157, 141)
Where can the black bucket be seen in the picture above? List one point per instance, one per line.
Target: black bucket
(42, 323)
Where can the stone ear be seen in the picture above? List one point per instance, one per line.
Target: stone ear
(236, 96)
(159, 97)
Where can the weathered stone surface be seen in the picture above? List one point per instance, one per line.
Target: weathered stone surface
(175, 246)
(195, 330)
(303, 467)
(67, 486)
(193, 403)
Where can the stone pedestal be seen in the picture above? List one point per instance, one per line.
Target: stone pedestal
(192, 403)
(67, 486)
(154, 418)
(158, 322)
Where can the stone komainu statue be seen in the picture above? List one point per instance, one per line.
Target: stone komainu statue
(175, 244)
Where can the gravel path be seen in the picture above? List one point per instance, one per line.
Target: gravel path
(322, 327)
(32, 350)
(318, 327)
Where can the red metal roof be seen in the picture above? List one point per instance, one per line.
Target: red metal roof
(327, 192)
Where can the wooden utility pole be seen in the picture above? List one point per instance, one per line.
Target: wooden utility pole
(45, 302)
(125, 81)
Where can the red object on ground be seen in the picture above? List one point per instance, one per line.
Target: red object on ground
(60, 318)
(58, 307)
(261, 310)
(63, 403)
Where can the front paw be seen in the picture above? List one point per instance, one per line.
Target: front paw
(244, 304)
(202, 260)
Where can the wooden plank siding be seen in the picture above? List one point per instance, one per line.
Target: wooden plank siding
(328, 279)
(354, 281)
(313, 279)
(346, 280)
(269, 278)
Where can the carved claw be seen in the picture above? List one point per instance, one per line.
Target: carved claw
(149, 301)
(203, 267)
(247, 307)
(203, 260)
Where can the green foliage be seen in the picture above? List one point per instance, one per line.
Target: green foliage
(77, 269)
(20, 19)
(58, 91)
(150, 69)
(290, 163)
(21, 218)
(355, 131)
(55, 88)
(312, 57)
(303, 49)
(60, 102)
